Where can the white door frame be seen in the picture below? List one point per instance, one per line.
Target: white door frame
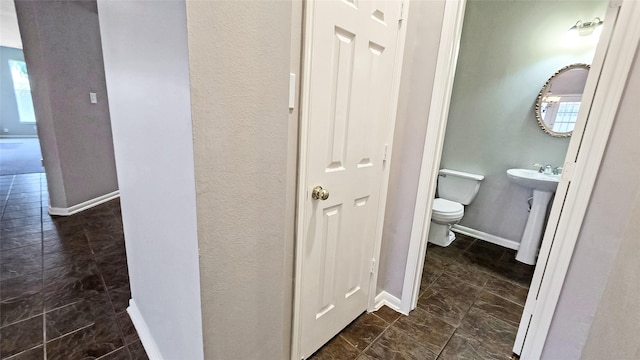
(303, 187)
(559, 241)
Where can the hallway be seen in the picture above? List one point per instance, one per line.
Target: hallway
(64, 284)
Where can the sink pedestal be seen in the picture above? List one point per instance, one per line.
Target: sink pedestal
(532, 236)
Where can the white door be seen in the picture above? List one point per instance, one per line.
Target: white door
(348, 111)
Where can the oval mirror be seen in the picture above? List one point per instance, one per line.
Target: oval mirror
(559, 100)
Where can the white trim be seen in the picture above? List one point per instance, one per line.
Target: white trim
(436, 125)
(509, 244)
(56, 211)
(393, 111)
(144, 334)
(384, 298)
(302, 195)
(18, 136)
(613, 79)
(303, 137)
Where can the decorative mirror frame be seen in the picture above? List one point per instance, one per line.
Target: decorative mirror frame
(538, 106)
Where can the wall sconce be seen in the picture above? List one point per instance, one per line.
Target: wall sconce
(585, 28)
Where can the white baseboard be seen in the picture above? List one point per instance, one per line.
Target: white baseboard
(384, 298)
(144, 334)
(18, 136)
(510, 244)
(83, 206)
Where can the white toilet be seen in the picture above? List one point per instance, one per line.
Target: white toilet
(455, 189)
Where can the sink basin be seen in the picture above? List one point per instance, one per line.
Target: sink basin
(534, 180)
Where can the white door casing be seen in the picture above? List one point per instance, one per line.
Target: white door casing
(349, 101)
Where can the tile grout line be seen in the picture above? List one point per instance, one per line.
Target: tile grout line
(113, 308)
(379, 336)
(109, 353)
(72, 332)
(460, 322)
(44, 315)
(15, 356)
(6, 200)
(21, 320)
(467, 311)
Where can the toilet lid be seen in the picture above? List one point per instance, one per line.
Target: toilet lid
(445, 206)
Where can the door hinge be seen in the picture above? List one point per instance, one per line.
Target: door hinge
(401, 12)
(292, 91)
(373, 266)
(568, 170)
(386, 151)
(615, 3)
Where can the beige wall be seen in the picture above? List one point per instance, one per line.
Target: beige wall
(63, 53)
(615, 329)
(418, 70)
(607, 232)
(240, 60)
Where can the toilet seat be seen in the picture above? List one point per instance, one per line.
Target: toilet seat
(446, 211)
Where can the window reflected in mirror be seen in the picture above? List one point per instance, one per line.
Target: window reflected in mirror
(559, 100)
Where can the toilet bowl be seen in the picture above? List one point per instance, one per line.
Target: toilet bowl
(456, 189)
(445, 214)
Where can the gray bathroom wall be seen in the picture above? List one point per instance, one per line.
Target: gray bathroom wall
(9, 116)
(508, 51)
(418, 70)
(61, 41)
(607, 232)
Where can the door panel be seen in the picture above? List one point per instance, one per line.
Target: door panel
(350, 76)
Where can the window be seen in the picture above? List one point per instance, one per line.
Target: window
(22, 91)
(566, 116)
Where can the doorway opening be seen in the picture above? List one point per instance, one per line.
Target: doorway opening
(20, 151)
(611, 63)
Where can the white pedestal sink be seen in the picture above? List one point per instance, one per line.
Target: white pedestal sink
(543, 186)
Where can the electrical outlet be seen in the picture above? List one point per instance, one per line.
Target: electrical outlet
(93, 97)
(5, 130)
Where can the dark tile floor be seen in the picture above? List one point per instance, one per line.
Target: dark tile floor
(472, 297)
(64, 284)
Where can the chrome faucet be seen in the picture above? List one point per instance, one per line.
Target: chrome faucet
(548, 169)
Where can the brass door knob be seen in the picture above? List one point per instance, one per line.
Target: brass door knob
(319, 193)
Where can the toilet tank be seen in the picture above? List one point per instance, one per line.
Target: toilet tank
(458, 186)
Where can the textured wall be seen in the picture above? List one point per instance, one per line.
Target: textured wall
(418, 70)
(239, 55)
(9, 116)
(608, 217)
(62, 47)
(505, 59)
(147, 67)
(615, 329)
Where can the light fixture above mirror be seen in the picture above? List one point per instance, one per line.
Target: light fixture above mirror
(586, 28)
